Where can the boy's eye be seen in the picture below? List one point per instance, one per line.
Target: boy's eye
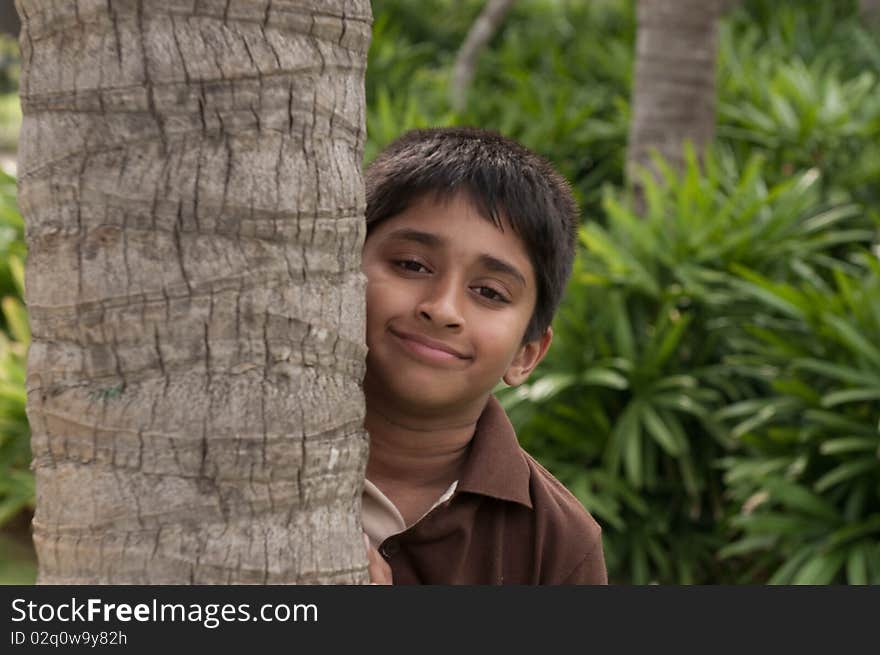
(411, 265)
(491, 294)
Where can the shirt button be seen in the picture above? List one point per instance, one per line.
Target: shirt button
(389, 549)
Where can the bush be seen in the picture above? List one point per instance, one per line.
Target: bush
(808, 481)
(820, 110)
(652, 349)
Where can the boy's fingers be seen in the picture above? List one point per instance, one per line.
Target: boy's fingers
(380, 572)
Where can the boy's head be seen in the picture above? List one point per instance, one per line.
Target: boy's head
(505, 182)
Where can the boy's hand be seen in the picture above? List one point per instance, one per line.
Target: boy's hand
(380, 572)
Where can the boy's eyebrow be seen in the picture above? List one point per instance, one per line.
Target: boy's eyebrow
(501, 266)
(425, 238)
(434, 241)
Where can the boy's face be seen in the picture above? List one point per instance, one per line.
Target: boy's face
(449, 297)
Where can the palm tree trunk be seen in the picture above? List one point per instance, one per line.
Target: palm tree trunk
(869, 10)
(481, 32)
(9, 23)
(674, 85)
(190, 178)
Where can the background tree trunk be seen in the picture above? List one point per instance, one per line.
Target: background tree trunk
(9, 23)
(190, 177)
(481, 32)
(674, 83)
(869, 10)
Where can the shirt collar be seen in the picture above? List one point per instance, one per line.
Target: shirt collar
(496, 465)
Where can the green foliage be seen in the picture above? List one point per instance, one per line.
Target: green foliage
(10, 67)
(816, 112)
(654, 353)
(10, 113)
(804, 29)
(529, 85)
(18, 563)
(10, 121)
(12, 248)
(814, 514)
(16, 480)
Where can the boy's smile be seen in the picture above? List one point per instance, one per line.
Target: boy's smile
(422, 347)
(449, 297)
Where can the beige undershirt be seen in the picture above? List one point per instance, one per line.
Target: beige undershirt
(381, 518)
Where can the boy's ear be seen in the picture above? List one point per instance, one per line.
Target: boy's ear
(529, 356)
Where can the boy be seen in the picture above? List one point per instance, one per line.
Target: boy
(470, 242)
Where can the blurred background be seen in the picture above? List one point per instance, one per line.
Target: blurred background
(713, 392)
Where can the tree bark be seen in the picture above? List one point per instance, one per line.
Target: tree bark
(9, 23)
(674, 84)
(480, 34)
(869, 11)
(190, 178)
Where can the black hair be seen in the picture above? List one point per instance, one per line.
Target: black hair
(502, 178)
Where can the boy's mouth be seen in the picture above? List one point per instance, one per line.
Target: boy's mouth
(427, 346)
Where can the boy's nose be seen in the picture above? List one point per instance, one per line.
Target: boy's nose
(441, 306)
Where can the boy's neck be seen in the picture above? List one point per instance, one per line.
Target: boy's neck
(416, 451)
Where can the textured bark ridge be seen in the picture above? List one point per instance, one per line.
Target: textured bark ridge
(190, 178)
(674, 83)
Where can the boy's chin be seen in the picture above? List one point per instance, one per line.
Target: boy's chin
(424, 402)
(423, 398)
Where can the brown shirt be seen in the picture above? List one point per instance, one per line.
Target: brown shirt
(506, 521)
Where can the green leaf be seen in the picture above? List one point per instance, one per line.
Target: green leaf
(549, 385)
(784, 573)
(781, 297)
(849, 396)
(855, 531)
(774, 523)
(828, 218)
(620, 263)
(874, 563)
(600, 504)
(857, 566)
(622, 328)
(747, 545)
(741, 408)
(626, 423)
(16, 268)
(837, 422)
(849, 444)
(767, 410)
(676, 382)
(616, 485)
(753, 469)
(629, 434)
(821, 569)
(661, 433)
(797, 497)
(639, 560)
(16, 319)
(689, 476)
(856, 500)
(846, 471)
(836, 371)
(851, 337)
(13, 393)
(680, 402)
(671, 339)
(604, 377)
